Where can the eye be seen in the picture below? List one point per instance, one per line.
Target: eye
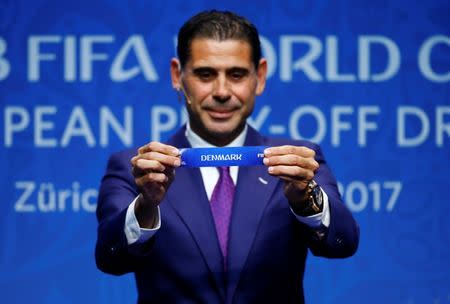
(204, 74)
(238, 74)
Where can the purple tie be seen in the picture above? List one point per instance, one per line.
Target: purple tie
(221, 203)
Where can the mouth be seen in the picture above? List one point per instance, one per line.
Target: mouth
(220, 114)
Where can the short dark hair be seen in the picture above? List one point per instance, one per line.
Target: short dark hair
(217, 25)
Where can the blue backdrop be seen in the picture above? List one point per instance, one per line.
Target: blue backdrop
(368, 80)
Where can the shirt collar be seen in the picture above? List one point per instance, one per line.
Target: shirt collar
(197, 142)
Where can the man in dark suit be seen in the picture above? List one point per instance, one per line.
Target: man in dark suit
(220, 235)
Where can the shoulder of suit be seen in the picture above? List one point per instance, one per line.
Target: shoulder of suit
(124, 155)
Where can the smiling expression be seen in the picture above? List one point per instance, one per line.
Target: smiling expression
(220, 83)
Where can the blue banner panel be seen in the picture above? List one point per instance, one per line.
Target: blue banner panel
(367, 80)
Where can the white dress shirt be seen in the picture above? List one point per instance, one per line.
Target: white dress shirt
(210, 176)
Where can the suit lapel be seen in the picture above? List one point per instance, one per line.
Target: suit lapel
(186, 190)
(254, 188)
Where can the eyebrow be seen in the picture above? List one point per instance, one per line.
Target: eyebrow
(229, 70)
(203, 69)
(238, 69)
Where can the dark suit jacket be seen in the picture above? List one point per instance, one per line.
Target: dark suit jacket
(182, 262)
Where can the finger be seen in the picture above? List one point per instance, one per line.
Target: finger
(292, 160)
(291, 179)
(153, 165)
(159, 147)
(287, 178)
(150, 179)
(294, 172)
(137, 172)
(170, 173)
(168, 160)
(288, 149)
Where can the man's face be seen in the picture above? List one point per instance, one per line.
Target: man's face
(220, 83)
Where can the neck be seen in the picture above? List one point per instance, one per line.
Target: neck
(217, 139)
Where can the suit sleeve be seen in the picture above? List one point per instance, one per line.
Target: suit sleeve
(341, 238)
(117, 190)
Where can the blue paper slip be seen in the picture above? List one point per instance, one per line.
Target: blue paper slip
(222, 157)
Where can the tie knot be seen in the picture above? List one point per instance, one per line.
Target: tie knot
(224, 170)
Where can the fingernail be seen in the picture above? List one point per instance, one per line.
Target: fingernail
(177, 163)
(267, 151)
(176, 151)
(270, 169)
(265, 161)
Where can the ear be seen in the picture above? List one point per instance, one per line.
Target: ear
(175, 73)
(261, 74)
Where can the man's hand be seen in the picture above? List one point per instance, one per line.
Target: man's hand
(153, 171)
(296, 166)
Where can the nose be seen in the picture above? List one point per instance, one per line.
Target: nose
(221, 91)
